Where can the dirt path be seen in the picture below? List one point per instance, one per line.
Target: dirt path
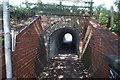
(65, 66)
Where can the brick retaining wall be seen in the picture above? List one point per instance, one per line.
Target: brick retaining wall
(102, 42)
(23, 58)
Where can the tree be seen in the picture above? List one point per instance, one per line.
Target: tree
(97, 11)
(101, 14)
(116, 26)
(118, 5)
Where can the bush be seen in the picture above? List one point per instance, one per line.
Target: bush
(101, 14)
(21, 12)
(103, 17)
(116, 26)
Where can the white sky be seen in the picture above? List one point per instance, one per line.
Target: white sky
(107, 3)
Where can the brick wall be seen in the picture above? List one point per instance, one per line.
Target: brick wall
(102, 42)
(25, 55)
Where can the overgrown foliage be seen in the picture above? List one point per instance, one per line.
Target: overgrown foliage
(116, 27)
(104, 18)
(39, 8)
(101, 14)
(56, 9)
(20, 12)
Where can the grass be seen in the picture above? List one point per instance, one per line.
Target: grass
(1, 39)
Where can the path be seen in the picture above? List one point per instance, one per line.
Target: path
(65, 66)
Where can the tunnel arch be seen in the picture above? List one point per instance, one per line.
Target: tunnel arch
(68, 26)
(56, 44)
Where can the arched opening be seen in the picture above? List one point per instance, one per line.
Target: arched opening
(68, 38)
(63, 41)
(68, 45)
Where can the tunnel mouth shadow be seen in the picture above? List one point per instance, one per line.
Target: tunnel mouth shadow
(57, 45)
(67, 48)
(68, 45)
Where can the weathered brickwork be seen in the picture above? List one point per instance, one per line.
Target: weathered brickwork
(26, 50)
(23, 58)
(102, 42)
(32, 45)
(56, 23)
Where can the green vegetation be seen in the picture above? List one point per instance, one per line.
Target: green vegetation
(104, 18)
(32, 9)
(116, 27)
(99, 12)
(20, 12)
(1, 40)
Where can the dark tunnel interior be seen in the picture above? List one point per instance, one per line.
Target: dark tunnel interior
(58, 44)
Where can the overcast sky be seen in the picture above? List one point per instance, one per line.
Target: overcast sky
(107, 3)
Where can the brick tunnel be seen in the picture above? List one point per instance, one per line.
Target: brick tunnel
(49, 55)
(57, 44)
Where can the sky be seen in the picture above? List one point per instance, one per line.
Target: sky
(107, 3)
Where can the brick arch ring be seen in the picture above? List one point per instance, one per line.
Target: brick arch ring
(54, 33)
